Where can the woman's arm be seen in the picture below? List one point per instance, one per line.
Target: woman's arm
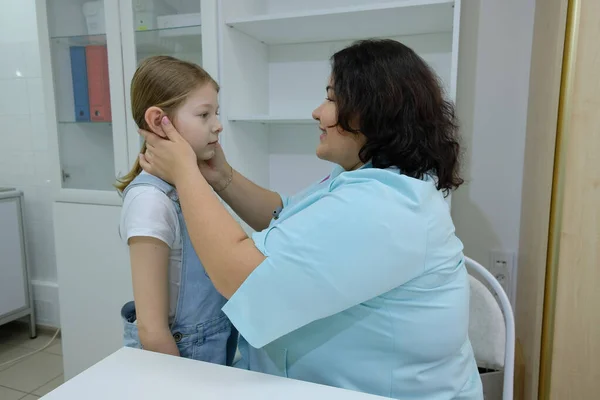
(254, 204)
(227, 254)
(149, 267)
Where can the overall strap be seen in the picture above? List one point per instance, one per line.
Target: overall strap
(151, 180)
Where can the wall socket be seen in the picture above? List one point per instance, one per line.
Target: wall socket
(502, 267)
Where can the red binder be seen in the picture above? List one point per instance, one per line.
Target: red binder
(98, 83)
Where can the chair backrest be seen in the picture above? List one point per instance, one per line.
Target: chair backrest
(487, 330)
(493, 339)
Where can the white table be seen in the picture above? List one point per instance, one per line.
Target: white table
(136, 374)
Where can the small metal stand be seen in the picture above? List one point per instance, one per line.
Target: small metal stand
(16, 300)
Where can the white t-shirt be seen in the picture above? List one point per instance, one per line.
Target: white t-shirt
(149, 212)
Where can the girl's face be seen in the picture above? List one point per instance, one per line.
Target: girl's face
(336, 145)
(197, 121)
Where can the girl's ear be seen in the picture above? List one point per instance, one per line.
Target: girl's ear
(153, 116)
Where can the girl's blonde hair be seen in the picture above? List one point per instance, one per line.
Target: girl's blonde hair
(164, 82)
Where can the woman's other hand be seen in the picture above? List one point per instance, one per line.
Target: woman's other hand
(169, 157)
(217, 170)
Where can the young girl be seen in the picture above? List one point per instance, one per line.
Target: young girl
(177, 310)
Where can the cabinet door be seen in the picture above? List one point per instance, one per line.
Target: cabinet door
(87, 84)
(95, 281)
(158, 27)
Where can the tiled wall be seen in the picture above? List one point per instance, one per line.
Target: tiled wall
(25, 161)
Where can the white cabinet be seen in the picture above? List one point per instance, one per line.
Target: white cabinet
(90, 50)
(275, 65)
(93, 48)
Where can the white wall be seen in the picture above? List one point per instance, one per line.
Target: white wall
(25, 161)
(493, 84)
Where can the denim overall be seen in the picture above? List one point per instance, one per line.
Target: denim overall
(201, 330)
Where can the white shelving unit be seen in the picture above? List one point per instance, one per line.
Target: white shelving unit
(275, 65)
(393, 18)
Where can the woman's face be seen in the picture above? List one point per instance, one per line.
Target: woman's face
(198, 122)
(336, 145)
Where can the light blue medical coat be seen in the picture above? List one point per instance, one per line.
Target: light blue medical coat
(364, 287)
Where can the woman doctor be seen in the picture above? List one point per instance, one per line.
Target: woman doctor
(359, 282)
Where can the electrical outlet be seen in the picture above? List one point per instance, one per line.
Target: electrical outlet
(501, 266)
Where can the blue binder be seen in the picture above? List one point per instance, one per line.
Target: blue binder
(80, 84)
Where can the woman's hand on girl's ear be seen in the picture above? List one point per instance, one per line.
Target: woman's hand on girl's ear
(167, 158)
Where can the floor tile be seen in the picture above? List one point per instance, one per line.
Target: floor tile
(10, 394)
(33, 372)
(8, 353)
(56, 348)
(30, 397)
(50, 386)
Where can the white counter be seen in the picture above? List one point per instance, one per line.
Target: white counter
(136, 374)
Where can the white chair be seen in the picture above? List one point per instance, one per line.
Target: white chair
(492, 337)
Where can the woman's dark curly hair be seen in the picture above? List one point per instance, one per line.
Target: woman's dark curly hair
(385, 91)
